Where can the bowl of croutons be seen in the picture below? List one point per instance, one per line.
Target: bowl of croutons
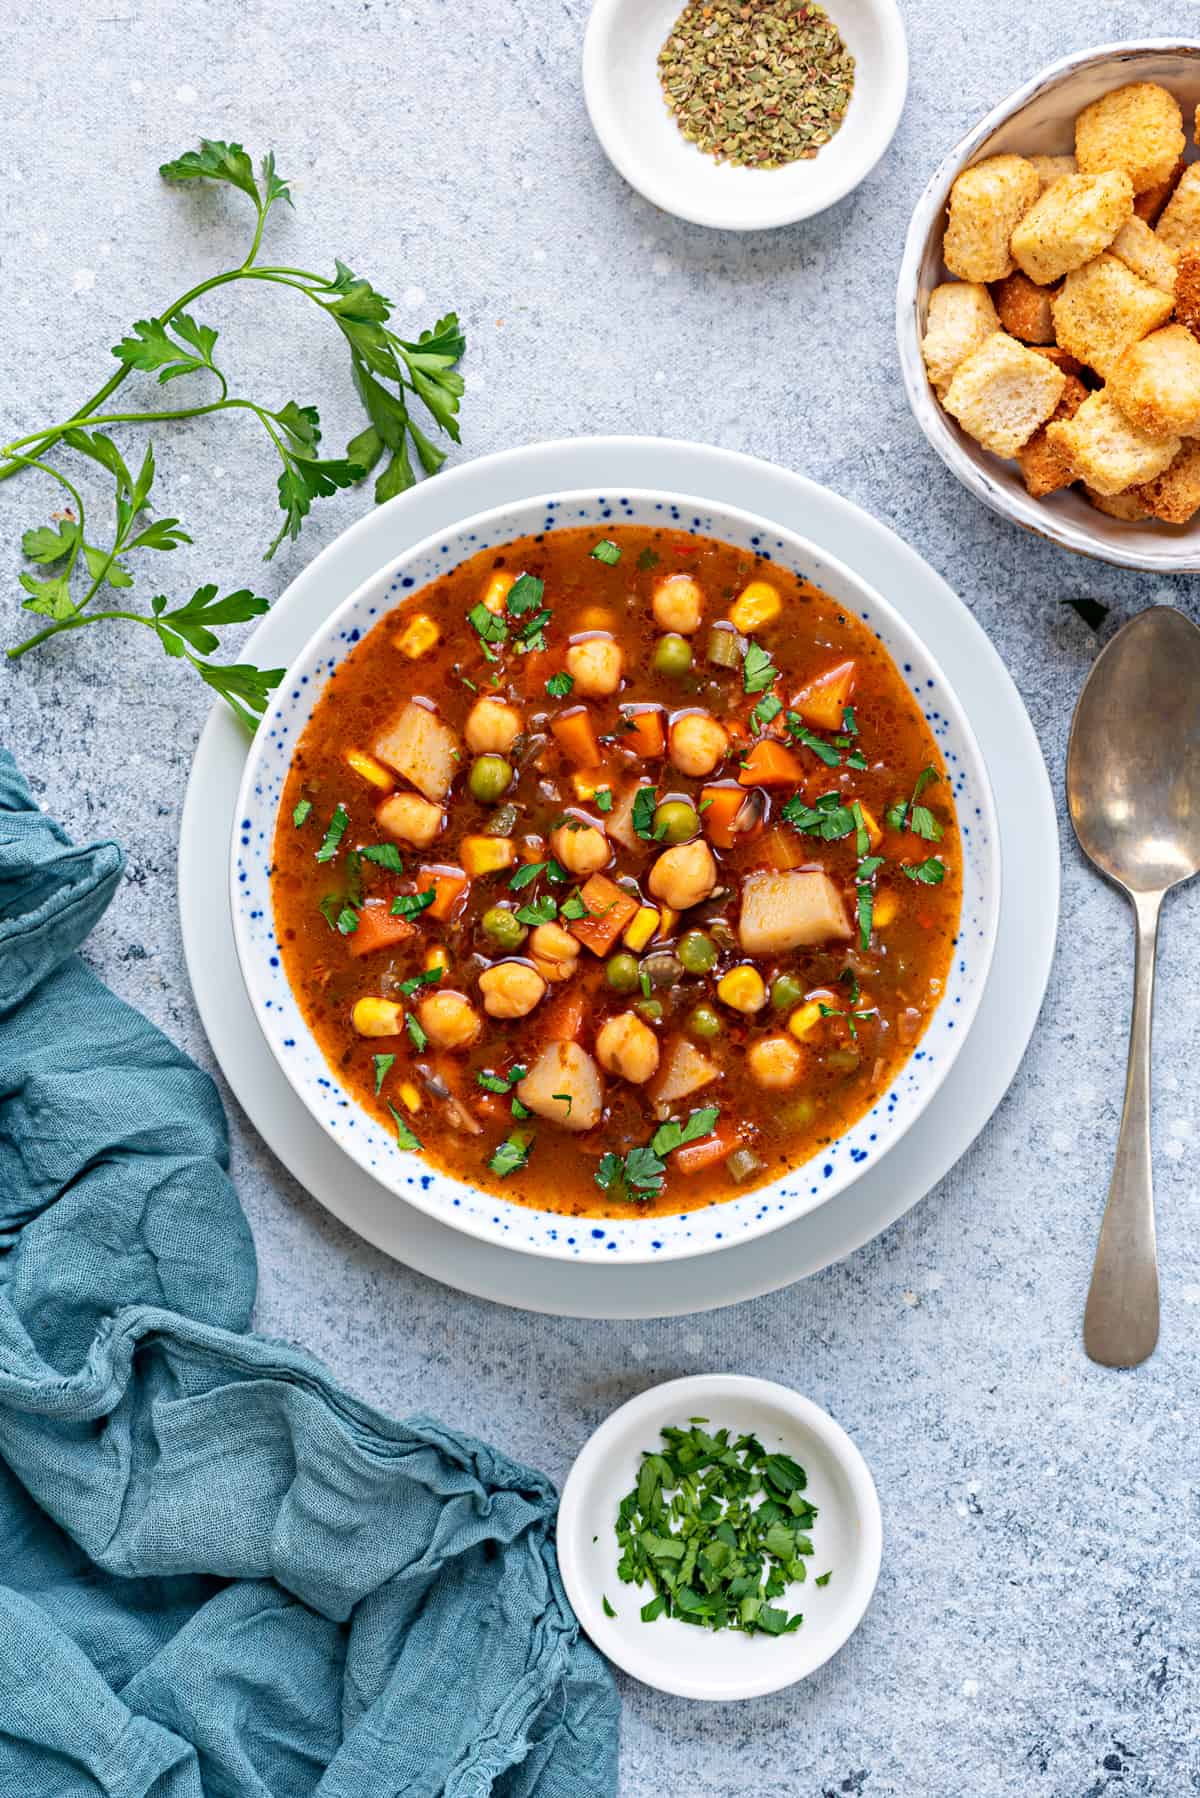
(1048, 311)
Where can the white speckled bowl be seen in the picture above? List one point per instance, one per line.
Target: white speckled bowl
(481, 1213)
(1039, 119)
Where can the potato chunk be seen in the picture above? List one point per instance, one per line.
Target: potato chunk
(986, 203)
(685, 1070)
(413, 819)
(1002, 393)
(564, 1085)
(1157, 383)
(1105, 307)
(1137, 128)
(961, 316)
(790, 911)
(1071, 223)
(1105, 450)
(418, 745)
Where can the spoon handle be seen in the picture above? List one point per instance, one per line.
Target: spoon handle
(1120, 1322)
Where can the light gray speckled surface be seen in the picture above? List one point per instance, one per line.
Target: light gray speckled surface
(1035, 1629)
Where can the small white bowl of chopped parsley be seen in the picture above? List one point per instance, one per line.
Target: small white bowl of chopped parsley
(743, 119)
(719, 1537)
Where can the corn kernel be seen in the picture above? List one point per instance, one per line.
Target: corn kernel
(418, 637)
(743, 989)
(804, 1019)
(486, 855)
(497, 590)
(757, 604)
(668, 917)
(586, 785)
(370, 769)
(410, 1097)
(378, 1017)
(887, 905)
(641, 928)
(437, 957)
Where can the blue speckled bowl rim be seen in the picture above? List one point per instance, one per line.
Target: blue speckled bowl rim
(484, 1214)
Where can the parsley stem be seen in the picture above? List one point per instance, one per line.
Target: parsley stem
(74, 623)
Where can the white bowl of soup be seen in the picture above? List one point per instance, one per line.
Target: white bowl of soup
(615, 876)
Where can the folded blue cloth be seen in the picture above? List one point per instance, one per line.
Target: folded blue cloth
(219, 1574)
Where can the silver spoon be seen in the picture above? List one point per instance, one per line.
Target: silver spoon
(1133, 789)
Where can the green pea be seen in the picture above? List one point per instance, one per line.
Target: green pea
(697, 952)
(786, 992)
(672, 655)
(621, 972)
(704, 1023)
(675, 821)
(503, 926)
(491, 777)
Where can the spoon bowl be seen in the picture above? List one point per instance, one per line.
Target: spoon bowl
(1133, 791)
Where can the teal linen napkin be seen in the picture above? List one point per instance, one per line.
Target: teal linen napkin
(219, 1574)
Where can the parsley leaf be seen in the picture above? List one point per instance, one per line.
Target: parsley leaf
(513, 1153)
(417, 1036)
(384, 855)
(491, 628)
(673, 1135)
(606, 551)
(525, 595)
(428, 977)
(501, 1083)
(822, 750)
(559, 685)
(828, 818)
(334, 834)
(930, 872)
(539, 911)
(383, 1066)
(645, 804)
(302, 812)
(758, 671)
(411, 905)
(405, 1135)
(910, 814)
(604, 799)
(526, 875)
(864, 888)
(767, 709)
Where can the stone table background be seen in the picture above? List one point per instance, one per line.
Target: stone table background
(1035, 1628)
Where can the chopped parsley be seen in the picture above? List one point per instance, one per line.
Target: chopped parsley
(489, 626)
(767, 709)
(539, 911)
(383, 1066)
(820, 748)
(910, 814)
(645, 804)
(512, 1153)
(411, 905)
(384, 855)
(827, 818)
(566, 1099)
(302, 813)
(526, 875)
(405, 1134)
(758, 670)
(501, 1083)
(606, 551)
(639, 1174)
(856, 1012)
(334, 834)
(429, 977)
(559, 685)
(864, 886)
(417, 1036)
(823, 1579)
(525, 595)
(604, 799)
(931, 872)
(608, 1610)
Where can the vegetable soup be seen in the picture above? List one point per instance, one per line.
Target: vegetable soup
(617, 874)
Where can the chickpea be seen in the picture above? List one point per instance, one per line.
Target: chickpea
(510, 989)
(595, 666)
(678, 604)
(684, 876)
(581, 848)
(774, 1062)
(626, 1046)
(449, 1020)
(697, 743)
(555, 952)
(492, 727)
(411, 818)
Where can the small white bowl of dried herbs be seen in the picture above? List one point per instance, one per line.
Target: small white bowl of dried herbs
(743, 118)
(719, 1537)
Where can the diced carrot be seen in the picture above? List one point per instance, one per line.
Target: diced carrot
(825, 699)
(449, 883)
(707, 1152)
(642, 730)
(536, 668)
(561, 1019)
(491, 1107)
(377, 929)
(720, 807)
(575, 735)
(609, 910)
(771, 764)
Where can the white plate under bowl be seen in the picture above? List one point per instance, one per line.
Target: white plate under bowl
(1038, 119)
(680, 1658)
(711, 1229)
(643, 142)
(978, 1080)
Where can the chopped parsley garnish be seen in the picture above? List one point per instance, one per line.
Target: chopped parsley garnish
(823, 1579)
(489, 626)
(539, 911)
(910, 814)
(405, 1134)
(526, 875)
(501, 1083)
(559, 685)
(641, 1172)
(931, 872)
(758, 670)
(604, 799)
(566, 1099)
(340, 913)
(302, 813)
(383, 1066)
(862, 836)
(608, 1610)
(334, 834)
(718, 1528)
(525, 595)
(649, 558)
(828, 818)
(673, 1135)
(645, 804)
(855, 1012)
(849, 722)
(417, 1036)
(574, 908)
(411, 905)
(864, 886)
(429, 977)
(512, 1153)
(606, 551)
(519, 1110)
(820, 748)
(767, 709)
(384, 855)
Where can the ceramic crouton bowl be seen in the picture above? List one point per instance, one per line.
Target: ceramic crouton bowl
(1039, 120)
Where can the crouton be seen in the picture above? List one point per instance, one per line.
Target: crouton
(1071, 223)
(1003, 392)
(1149, 203)
(1024, 308)
(1128, 507)
(1175, 495)
(1070, 365)
(1140, 249)
(1156, 383)
(1105, 450)
(1179, 225)
(1138, 128)
(1187, 290)
(1044, 468)
(1052, 168)
(985, 203)
(1105, 307)
(960, 317)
